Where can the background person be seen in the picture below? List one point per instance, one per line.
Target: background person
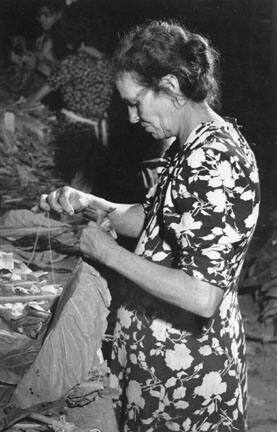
(49, 16)
(85, 83)
(42, 60)
(33, 62)
(178, 351)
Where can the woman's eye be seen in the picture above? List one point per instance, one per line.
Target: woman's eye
(134, 105)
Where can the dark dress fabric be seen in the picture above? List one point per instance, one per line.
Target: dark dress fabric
(176, 371)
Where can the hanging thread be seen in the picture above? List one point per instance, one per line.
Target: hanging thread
(35, 246)
(50, 248)
(49, 245)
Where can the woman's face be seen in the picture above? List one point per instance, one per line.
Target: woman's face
(48, 18)
(154, 111)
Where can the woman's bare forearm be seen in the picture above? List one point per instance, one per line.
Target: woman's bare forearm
(171, 285)
(40, 94)
(127, 219)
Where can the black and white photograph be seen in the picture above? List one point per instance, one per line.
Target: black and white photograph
(138, 215)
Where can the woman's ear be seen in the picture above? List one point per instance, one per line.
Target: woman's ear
(171, 84)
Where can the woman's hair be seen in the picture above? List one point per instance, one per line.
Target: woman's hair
(158, 48)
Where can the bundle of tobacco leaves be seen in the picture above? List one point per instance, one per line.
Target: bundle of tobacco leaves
(41, 241)
(27, 166)
(26, 301)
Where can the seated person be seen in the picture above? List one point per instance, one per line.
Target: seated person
(20, 57)
(49, 16)
(84, 79)
(85, 83)
(33, 65)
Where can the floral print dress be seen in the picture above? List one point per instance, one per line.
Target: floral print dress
(177, 371)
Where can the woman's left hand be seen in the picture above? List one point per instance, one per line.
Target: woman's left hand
(98, 244)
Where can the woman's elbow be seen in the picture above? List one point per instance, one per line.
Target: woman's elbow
(210, 302)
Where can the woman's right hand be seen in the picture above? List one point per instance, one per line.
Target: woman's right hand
(65, 199)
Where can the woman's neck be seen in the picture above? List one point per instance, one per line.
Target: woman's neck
(193, 115)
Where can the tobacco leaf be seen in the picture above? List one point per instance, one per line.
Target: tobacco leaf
(72, 344)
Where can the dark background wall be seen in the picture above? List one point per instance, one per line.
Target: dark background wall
(245, 31)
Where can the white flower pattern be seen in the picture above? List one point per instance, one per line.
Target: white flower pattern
(181, 372)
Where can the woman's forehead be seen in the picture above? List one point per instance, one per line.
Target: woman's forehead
(127, 84)
(128, 77)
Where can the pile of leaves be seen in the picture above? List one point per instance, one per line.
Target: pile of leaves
(26, 298)
(58, 374)
(42, 242)
(39, 374)
(27, 166)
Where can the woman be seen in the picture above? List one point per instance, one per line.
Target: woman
(178, 353)
(83, 78)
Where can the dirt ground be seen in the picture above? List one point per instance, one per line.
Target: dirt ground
(262, 373)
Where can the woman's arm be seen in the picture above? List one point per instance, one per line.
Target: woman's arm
(40, 94)
(171, 285)
(126, 219)
(90, 50)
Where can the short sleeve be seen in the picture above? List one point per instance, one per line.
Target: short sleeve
(159, 170)
(215, 200)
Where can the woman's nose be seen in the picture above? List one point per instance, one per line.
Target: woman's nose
(133, 114)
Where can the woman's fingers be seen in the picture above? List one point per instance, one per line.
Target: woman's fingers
(54, 201)
(66, 200)
(96, 243)
(58, 200)
(43, 202)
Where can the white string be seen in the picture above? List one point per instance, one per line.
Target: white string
(50, 249)
(35, 246)
(49, 244)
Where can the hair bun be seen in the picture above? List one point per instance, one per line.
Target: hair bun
(160, 48)
(198, 52)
